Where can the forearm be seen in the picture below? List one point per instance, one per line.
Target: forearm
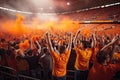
(75, 38)
(93, 40)
(21, 53)
(112, 42)
(49, 41)
(70, 41)
(38, 46)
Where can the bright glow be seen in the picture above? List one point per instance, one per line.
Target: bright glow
(46, 17)
(102, 6)
(41, 9)
(50, 8)
(97, 7)
(68, 3)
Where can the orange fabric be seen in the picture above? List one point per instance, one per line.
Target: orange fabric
(24, 45)
(116, 56)
(61, 42)
(100, 72)
(60, 63)
(82, 59)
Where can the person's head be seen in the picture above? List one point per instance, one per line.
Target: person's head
(108, 38)
(18, 58)
(103, 58)
(84, 44)
(29, 52)
(62, 49)
(2, 40)
(44, 50)
(16, 46)
(11, 52)
(11, 43)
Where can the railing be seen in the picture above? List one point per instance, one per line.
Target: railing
(10, 76)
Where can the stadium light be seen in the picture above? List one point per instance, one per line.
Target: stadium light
(68, 3)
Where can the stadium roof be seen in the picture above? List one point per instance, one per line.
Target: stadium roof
(53, 6)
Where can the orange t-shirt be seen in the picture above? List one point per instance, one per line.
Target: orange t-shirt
(83, 58)
(101, 72)
(116, 56)
(59, 63)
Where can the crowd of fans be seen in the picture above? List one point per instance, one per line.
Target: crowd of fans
(95, 57)
(50, 55)
(107, 13)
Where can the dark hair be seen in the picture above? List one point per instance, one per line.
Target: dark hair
(45, 49)
(62, 49)
(18, 58)
(29, 52)
(86, 44)
(108, 38)
(2, 40)
(101, 56)
(16, 47)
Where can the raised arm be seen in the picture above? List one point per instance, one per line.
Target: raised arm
(21, 53)
(31, 44)
(93, 44)
(49, 42)
(75, 38)
(70, 42)
(112, 42)
(39, 46)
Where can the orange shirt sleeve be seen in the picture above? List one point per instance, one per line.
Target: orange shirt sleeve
(67, 52)
(82, 58)
(54, 54)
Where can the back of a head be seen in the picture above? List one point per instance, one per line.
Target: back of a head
(86, 44)
(18, 58)
(62, 49)
(2, 40)
(45, 50)
(101, 57)
(29, 52)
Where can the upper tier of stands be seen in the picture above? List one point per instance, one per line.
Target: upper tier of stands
(106, 13)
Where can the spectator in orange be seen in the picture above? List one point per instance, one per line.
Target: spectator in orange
(83, 55)
(60, 58)
(103, 68)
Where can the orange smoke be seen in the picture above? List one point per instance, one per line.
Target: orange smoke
(86, 32)
(18, 26)
(24, 45)
(65, 25)
(35, 26)
(14, 26)
(35, 37)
